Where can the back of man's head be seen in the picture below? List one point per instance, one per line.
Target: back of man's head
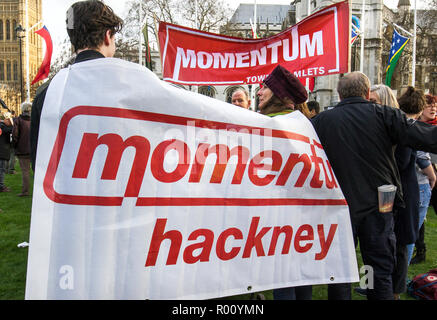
(354, 84)
(87, 23)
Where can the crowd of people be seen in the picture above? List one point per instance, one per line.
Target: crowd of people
(370, 138)
(15, 143)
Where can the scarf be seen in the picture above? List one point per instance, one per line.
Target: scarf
(432, 122)
(279, 113)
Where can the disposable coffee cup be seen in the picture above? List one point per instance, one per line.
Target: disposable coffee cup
(386, 197)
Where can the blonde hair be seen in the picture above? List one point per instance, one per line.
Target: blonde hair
(303, 107)
(385, 94)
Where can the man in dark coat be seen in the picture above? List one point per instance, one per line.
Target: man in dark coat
(91, 26)
(5, 147)
(359, 138)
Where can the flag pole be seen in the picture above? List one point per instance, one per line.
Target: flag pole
(400, 28)
(156, 23)
(140, 33)
(196, 16)
(413, 80)
(254, 20)
(362, 37)
(27, 53)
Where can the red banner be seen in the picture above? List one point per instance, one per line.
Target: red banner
(316, 46)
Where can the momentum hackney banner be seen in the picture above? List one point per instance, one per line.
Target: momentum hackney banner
(316, 46)
(147, 191)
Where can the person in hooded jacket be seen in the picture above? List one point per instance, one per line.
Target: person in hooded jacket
(6, 125)
(21, 139)
(283, 93)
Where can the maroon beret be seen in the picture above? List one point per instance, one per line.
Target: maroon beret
(284, 84)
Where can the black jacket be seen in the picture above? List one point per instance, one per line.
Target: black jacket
(407, 219)
(38, 104)
(359, 139)
(5, 141)
(20, 135)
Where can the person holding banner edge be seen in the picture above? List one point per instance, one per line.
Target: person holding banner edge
(91, 27)
(358, 137)
(283, 93)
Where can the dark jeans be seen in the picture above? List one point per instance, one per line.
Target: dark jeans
(25, 173)
(3, 168)
(378, 249)
(375, 233)
(401, 269)
(433, 201)
(420, 242)
(340, 291)
(10, 168)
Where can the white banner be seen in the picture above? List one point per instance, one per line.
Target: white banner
(146, 191)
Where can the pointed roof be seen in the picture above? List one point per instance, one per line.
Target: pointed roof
(273, 13)
(403, 3)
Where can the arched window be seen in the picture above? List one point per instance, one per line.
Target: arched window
(8, 71)
(15, 70)
(1, 30)
(2, 70)
(8, 30)
(207, 91)
(14, 33)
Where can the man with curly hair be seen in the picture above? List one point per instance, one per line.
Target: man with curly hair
(91, 27)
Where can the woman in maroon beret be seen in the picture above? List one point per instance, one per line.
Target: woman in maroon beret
(280, 94)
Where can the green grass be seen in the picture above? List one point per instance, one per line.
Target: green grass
(14, 229)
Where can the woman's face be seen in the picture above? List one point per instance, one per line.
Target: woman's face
(429, 113)
(264, 95)
(374, 97)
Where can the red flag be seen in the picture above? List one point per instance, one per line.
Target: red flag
(44, 70)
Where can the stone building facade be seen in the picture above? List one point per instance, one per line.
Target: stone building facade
(378, 32)
(13, 74)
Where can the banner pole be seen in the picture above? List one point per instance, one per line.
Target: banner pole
(155, 20)
(140, 33)
(254, 21)
(27, 54)
(400, 28)
(413, 78)
(362, 37)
